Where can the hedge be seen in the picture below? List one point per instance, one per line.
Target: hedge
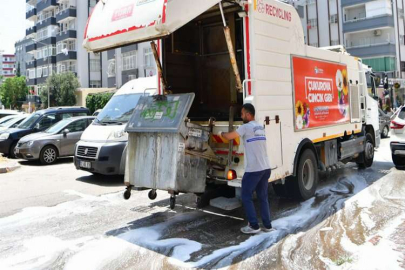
(97, 101)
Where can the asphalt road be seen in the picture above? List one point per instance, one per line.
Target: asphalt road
(58, 218)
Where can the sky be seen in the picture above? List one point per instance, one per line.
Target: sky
(12, 24)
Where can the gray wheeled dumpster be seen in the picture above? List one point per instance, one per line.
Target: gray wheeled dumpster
(164, 148)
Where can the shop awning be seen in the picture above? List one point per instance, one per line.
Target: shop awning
(114, 23)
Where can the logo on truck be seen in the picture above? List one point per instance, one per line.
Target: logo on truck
(321, 93)
(264, 8)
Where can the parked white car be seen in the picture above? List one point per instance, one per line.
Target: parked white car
(398, 137)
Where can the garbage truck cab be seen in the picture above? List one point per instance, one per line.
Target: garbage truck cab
(102, 147)
(212, 57)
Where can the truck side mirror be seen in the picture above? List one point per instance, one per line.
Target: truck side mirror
(65, 132)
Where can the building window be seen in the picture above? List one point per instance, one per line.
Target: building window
(334, 18)
(39, 72)
(129, 60)
(312, 23)
(31, 73)
(111, 68)
(334, 42)
(45, 71)
(95, 84)
(148, 57)
(95, 65)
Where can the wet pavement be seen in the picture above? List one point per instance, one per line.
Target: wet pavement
(355, 221)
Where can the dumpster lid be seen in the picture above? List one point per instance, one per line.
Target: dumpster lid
(152, 115)
(114, 23)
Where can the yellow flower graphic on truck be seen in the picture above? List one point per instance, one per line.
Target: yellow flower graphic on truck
(302, 113)
(342, 84)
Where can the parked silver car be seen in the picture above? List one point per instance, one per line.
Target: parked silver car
(57, 141)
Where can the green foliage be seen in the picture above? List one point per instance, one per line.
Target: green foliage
(343, 260)
(13, 92)
(97, 101)
(62, 90)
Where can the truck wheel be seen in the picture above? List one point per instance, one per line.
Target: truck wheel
(367, 157)
(304, 185)
(48, 155)
(399, 162)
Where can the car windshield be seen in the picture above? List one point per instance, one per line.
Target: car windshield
(118, 110)
(4, 120)
(27, 123)
(58, 126)
(11, 122)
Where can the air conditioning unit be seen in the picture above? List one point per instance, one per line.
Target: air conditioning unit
(377, 32)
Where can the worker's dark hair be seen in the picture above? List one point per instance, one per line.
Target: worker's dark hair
(249, 108)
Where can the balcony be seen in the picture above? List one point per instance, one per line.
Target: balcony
(32, 82)
(31, 47)
(47, 22)
(346, 3)
(368, 23)
(31, 15)
(46, 4)
(46, 42)
(66, 35)
(66, 14)
(41, 80)
(46, 61)
(31, 30)
(31, 64)
(373, 50)
(71, 55)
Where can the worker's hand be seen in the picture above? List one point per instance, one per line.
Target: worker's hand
(219, 133)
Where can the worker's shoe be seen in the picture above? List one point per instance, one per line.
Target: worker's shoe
(271, 229)
(249, 230)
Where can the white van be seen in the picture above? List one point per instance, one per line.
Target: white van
(102, 147)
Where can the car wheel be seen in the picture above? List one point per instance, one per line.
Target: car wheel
(398, 161)
(385, 132)
(12, 149)
(48, 155)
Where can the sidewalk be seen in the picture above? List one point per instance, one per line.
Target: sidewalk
(7, 165)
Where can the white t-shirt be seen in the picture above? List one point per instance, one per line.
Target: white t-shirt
(254, 140)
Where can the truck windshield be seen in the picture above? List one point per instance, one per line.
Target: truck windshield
(27, 123)
(118, 110)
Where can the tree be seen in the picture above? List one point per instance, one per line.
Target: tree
(13, 92)
(62, 89)
(18, 74)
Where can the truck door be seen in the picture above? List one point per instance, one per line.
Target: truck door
(274, 146)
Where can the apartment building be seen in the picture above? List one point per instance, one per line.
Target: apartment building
(57, 36)
(321, 21)
(7, 66)
(21, 55)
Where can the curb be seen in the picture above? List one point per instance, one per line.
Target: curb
(9, 167)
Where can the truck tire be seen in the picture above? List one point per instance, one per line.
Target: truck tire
(366, 158)
(304, 184)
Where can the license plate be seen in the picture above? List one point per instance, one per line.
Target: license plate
(85, 164)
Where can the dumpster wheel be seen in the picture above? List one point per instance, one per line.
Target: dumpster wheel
(127, 193)
(172, 201)
(152, 194)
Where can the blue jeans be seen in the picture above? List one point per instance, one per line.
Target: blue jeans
(256, 181)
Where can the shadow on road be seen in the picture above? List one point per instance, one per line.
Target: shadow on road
(38, 163)
(102, 180)
(211, 238)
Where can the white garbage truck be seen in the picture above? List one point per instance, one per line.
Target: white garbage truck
(213, 56)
